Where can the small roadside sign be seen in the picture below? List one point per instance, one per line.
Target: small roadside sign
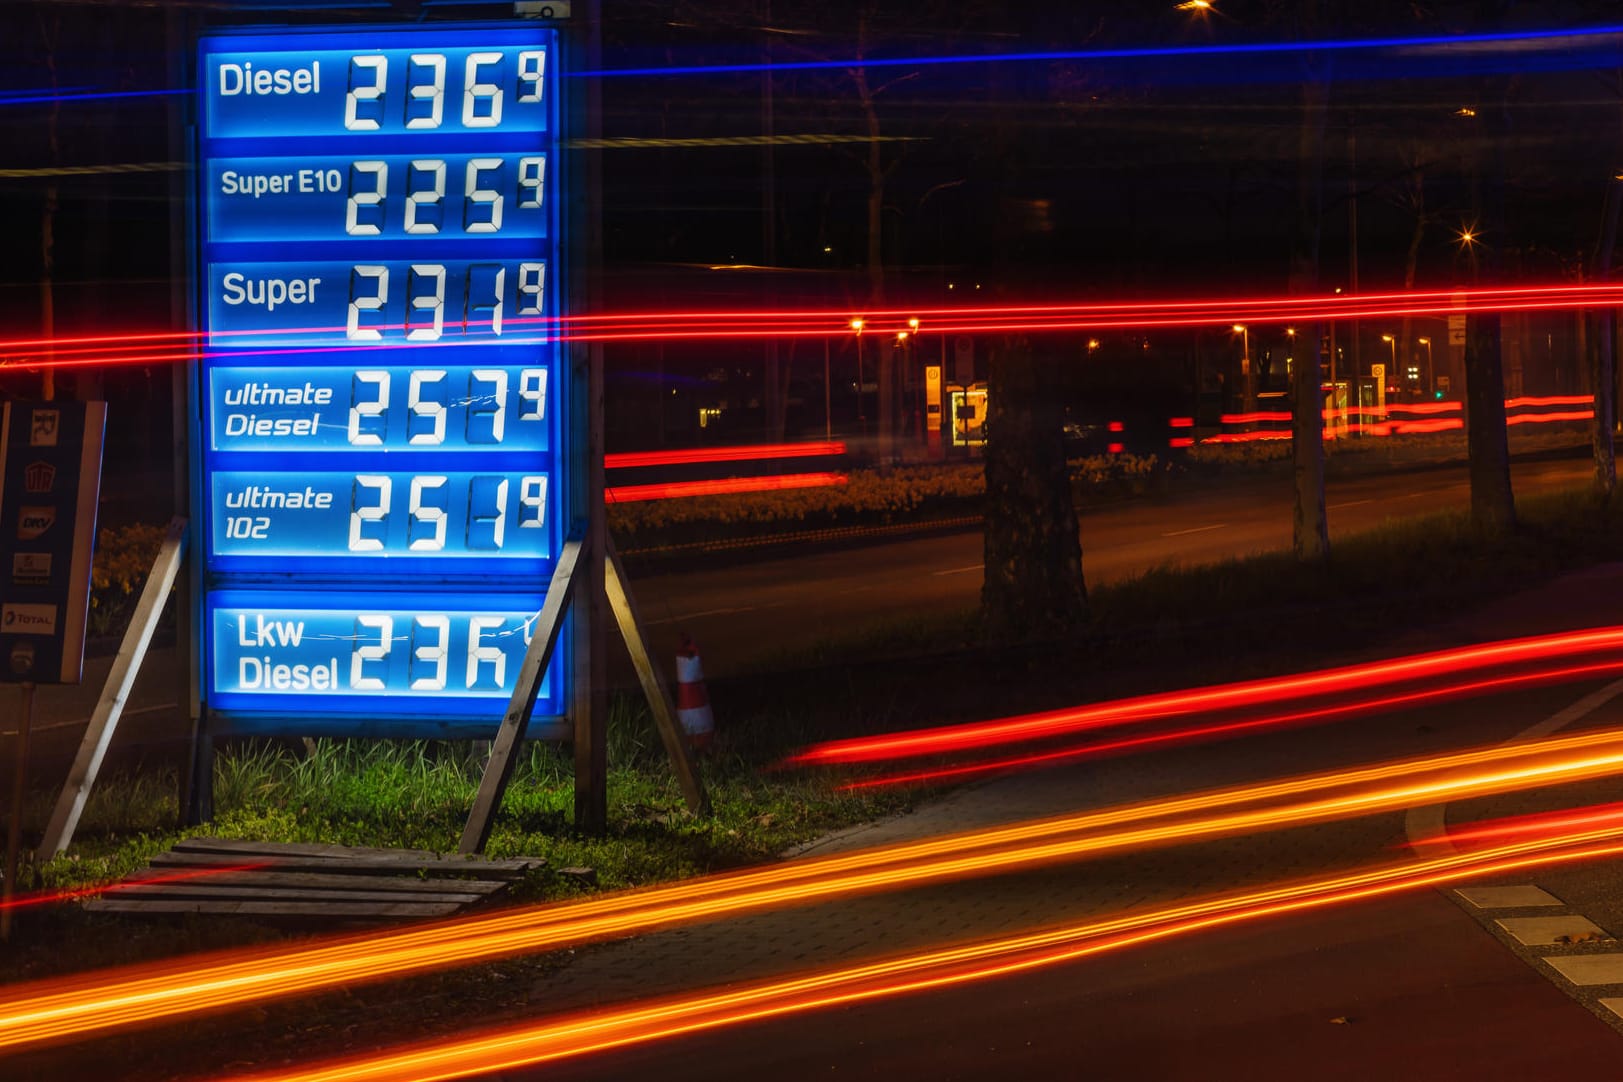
(50, 481)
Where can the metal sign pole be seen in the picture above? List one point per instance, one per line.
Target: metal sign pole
(14, 829)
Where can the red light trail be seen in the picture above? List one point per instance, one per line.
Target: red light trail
(1244, 695)
(1204, 733)
(55, 897)
(726, 487)
(633, 459)
(1542, 825)
(155, 347)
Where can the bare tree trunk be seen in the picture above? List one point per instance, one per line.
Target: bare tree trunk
(1310, 531)
(772, 392)
(47, 224)
(1493, 507)
(1493, 503)
(1604, 360)
(1411, 264)
(876, 263)
(1033, 548)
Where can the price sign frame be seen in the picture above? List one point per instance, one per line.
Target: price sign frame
(382, 411)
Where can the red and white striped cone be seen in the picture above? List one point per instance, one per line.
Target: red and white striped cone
(692, 701)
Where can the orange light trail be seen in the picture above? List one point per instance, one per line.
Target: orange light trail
(1203, 733)
(78, 1006)
(1247, 694)
(528, 1044)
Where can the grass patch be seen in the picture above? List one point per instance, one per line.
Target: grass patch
(416, 795)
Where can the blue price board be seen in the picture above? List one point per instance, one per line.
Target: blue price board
(378, 252)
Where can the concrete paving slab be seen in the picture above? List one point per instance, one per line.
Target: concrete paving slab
(1507, 897)
(1588, 969)
(1547, 931)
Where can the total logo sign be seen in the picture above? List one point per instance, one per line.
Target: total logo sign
(28, 620)
(33, 522)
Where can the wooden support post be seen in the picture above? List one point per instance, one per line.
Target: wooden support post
(542, 641)
(653, 683)
(14, 828)
(114, 693)
(590, 713)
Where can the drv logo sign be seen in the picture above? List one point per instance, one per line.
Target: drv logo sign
(33, 522)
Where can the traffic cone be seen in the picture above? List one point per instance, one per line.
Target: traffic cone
(692, 701)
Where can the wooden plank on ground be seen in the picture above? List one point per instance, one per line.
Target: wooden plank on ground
(363, 891)
(480, 869)
(313, 881)
(323, 909)
(300, 849)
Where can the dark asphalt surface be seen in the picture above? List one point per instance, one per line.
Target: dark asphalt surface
(744, 615)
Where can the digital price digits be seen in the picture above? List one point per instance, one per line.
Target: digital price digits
(482, 294)
(486, 189)
(419, 104)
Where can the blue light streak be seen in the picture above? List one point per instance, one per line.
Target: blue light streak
(31, 98)
(1449, 44)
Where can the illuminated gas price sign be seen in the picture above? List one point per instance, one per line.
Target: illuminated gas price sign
(378, 268)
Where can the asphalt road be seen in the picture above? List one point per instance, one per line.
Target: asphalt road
(743, 615)
(1418, 986)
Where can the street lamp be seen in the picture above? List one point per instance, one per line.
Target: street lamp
(1393, 342)
(1245, 364)
(1430, 373)
(856, 325)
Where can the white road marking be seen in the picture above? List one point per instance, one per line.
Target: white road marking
(698, 615)
(1429, 823)
(1351, 503)
(1197, 529)
(960, 570)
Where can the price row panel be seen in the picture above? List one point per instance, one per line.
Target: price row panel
(394, 85)
(417, 409)
(397, 302)
(418, 655)
(362, 515)
(386, 197)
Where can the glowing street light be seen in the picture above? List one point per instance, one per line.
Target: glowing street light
(1429, 370)
(1245, 363)
(856, 325)
(1194, 5)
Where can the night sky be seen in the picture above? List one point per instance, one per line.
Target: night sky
(1088, 176)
